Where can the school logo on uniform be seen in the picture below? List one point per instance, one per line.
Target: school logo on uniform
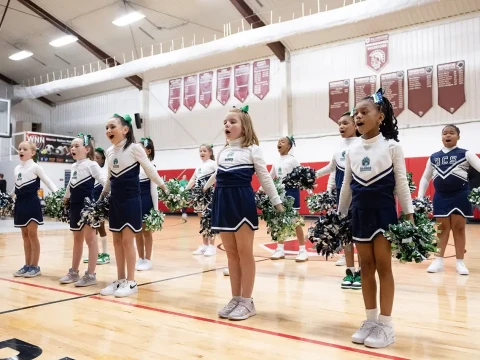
(115, 163)
(19, 177)
(446, 160)
(343, 155)
(365, 164)
(229, 156)
(280, 171)
(74, 175)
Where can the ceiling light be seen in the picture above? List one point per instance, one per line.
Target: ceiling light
(20, 55)
(128, 19)
(64, 40)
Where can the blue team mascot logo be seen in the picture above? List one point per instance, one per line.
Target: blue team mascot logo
(365, 164)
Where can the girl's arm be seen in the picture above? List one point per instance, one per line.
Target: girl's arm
(192, 180)
(67, 192)
(473, 160)
(346, 192)
(106, 187)
(45, 179)
(150, 170)
(210, 181)
(426, 177)
(327, 169)
(401, 182)
(98, 174)
(331, 182)
(154, 194)
(273, 173)
(264, 177)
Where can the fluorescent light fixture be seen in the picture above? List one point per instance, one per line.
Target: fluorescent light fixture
(20, 55)
(64, 40)
(128, 19)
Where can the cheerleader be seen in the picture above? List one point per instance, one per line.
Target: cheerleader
(203, 172)
(103, 257)
(280, 169)
(28, 212)
(84, 173)
(374, 170)
(124, 159)
(449, 170)
(234, 213)
(346, 126)
(184, 183)
(149, 198)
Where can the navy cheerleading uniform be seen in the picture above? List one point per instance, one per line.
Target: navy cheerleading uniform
(374, 170)
(81, 186)
(233, 201)
(148, 194)
(124, 183)
(203, 172)
(27, 182)
(282, 168)
(449, 170)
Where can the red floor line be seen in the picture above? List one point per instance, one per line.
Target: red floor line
(262, 331)
(42, 287)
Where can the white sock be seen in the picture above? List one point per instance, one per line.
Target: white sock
(302, 248)
(386, 320)
(280, 246)
(247, 300)
(238, 298)
(372, 314)
(352, 269)
(439, 259)
(104, 241)
(459, 261)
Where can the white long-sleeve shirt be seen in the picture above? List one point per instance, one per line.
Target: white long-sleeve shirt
(84, 174)
(27, 172)
(206, 169)
(283, 166)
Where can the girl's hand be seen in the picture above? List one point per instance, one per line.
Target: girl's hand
(279, 208)
(411, 219)
(66, 200)
(310, 192)
(165, 190)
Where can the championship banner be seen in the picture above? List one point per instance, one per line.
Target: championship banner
(52, 148)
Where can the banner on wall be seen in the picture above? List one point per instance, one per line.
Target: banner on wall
(376, 49)
(338, 94)
(174, 91)
(205, 89)
(261, 78)
(451, 85)
(393, 85)
(223, 85)
(364, 86)
(190, 91)
(420, 90)
(53, 148)
(242, 81)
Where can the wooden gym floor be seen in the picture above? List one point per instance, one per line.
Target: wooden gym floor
(302, 313)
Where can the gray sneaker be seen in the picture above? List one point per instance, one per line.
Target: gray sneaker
(71, 277)
(243, 311)
(32, 272)
(87, 280)
(227, 309)
(22, 271)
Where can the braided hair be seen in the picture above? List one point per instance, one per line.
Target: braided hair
(389, 125)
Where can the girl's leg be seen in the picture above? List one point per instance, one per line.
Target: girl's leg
(77, 249)
(34, 243)
(148, 239)
(140, 244)
(302, 251)
(458, 229)
(382, 249)
(202, 248)
(230, 245)
(129, 251)
(444, 227)
(27, 247)
(119, 255)
(300, 235)
(244, 240)
(91, 240)
(103, 238)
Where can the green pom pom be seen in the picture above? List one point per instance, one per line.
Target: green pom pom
(55, 208)
(474, 196)
(177, 196)
(154, 220)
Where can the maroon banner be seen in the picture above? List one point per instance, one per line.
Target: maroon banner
(175, 87)
(205, 89)
(338, 92)
(393, 85)
(376, 49)
(261, 78)
(364, 87)
(242, 81)
(223, 84)
(451, 85)
(190, 91)
(420, 90)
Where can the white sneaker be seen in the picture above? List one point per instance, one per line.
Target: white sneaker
(364, 331)
(111, 288)
(201, 250)
(381, 336)
(436, 266)
(226, 272)
(210, 251)
(145, 265)
(461, 268)
(341, 261)
(126, 288)
(302, 256)
(138, 264)
(184, 217)
(278, 254)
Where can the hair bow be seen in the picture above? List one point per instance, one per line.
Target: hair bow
(292, 140)
(243, 109)
(352, 112)
(127, 118)
(100, 150)
(378, 96)
(86, 138)
(211, 146)
(144, 141)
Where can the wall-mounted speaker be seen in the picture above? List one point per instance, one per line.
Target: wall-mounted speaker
(138, 121)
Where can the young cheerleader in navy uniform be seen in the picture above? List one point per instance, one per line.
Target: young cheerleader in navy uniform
(103, 257)
(124, 159)
(280, 169)
(374, 170)
(234, 213)
(348, 132)
(449, 170)
(149, 196)
(206, 169)
(28, 212)
(84, 173)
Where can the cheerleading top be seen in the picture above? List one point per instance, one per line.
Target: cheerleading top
(148, 187)
(206, 169)
(284, 166)
(84, 174)
(27, 179)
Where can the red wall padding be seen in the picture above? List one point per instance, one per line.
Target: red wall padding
(414, 165)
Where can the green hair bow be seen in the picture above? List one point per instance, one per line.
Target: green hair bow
(86, 138)
(144, 141)
(211, 146)
(292, 140)
(127, 118)
(352, 112)
(244, 109)
(100, 150)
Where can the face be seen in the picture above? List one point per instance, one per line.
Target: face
(99, 159)
(147, 151)
(283, 146)
(450, 137)
(25, 151)
(184, 177)
(78, 150)
(346, 126)
(233, 126)
(204, 153)
(115, 131)
(368, 119)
